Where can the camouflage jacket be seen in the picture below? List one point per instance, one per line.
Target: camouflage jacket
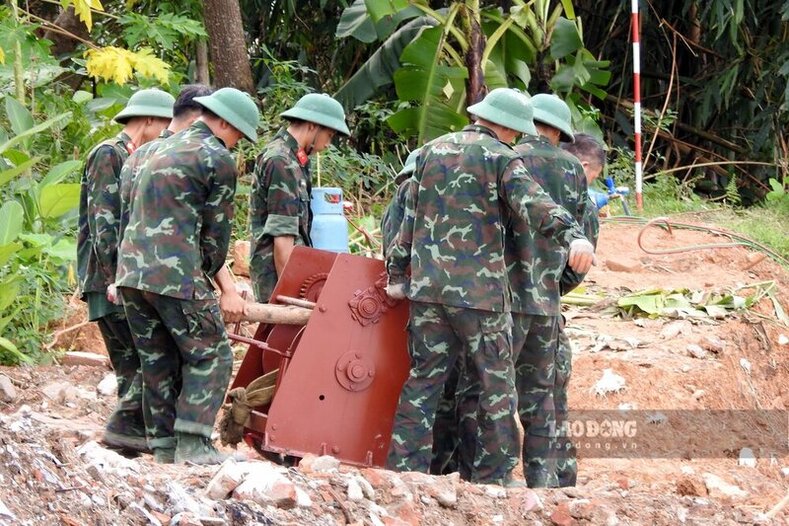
(570, 278)
(469, 185)
(536, 262)
(131, 168)
(393, 216)
(279, 205)
(180, 217)
(99, 213)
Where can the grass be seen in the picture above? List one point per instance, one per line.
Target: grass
(766, 223)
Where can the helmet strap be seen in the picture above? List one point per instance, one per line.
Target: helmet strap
(311, 143)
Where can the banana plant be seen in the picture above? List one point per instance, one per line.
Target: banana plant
(435, 60)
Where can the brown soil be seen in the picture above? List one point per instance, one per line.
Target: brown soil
(660, 375)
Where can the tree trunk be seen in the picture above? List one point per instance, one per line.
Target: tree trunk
(228, 47)
(63, 44)
(201, 63)
(475, 85)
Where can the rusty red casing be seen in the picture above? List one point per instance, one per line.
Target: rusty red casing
(341, 374)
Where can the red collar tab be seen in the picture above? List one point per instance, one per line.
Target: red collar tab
(302, 157)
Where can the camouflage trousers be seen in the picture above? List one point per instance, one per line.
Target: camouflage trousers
(535, 346)
(446, 428)
(439, 337)
(566, 467)
(127, 419)
(186, 363)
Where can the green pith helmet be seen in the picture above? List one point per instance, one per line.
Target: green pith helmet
(410, 163)
(236, 108)
(506, 107)
(319, 108)
(553, 111)
(147, 103)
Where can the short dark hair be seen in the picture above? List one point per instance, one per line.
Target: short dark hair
(587, 148)
(185, 103)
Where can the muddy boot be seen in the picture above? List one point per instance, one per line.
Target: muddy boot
(164, 455)
(197, 449)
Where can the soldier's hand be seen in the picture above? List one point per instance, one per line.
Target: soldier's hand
(232, 305)
(112, 294)
(396, 292)
(581, 256)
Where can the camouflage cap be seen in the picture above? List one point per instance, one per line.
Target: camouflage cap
(553, 111)
(151, 102)
(319, 108)
(506, 107)
(410, 163)
(236, 108)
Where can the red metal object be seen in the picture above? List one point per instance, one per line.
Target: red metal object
(341, 374)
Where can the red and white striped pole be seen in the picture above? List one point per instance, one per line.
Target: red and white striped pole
(637, 101)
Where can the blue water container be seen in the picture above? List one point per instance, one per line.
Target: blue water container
(329, 226)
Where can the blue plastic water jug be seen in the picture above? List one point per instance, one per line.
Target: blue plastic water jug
(329, 226)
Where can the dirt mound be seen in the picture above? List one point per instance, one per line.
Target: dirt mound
(732, 372)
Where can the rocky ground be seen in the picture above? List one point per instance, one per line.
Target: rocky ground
(52, 471)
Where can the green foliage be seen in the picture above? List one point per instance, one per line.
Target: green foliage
(37, 219)
(165, 31)
(778, 197)
(430, 70)
(732, 193)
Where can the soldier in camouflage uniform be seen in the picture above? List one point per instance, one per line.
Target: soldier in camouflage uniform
(535, 267)
(445, 432)
(144, 117)
(279, 208)
(185, 112)
(393, 215)
(180, 217)
(591, 153)
(452, 236)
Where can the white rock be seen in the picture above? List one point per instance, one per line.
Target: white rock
(696, 351)
(5, 512)
(106, 460)
(144, 514)
(325, 463)
(687, 470)
(7, 389)
(675, 328)
(495, 492)
(226, 479)
(697, 395)
(785, 473)
(182, 502)
(747, 458)
(375, 520)
(657, 418)
(303, 499)
(60, 392)
(610, 382)
(355, 492)
(108, 385)
(259, 483)
(720, 488)
(783, 339)
(746, 365)
(627, 406)
(685, 368)
(367, 488)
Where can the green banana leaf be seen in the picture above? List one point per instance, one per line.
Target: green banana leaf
(423, 80)
(378, 71)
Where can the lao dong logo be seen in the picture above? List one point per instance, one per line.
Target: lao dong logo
(599, 429)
